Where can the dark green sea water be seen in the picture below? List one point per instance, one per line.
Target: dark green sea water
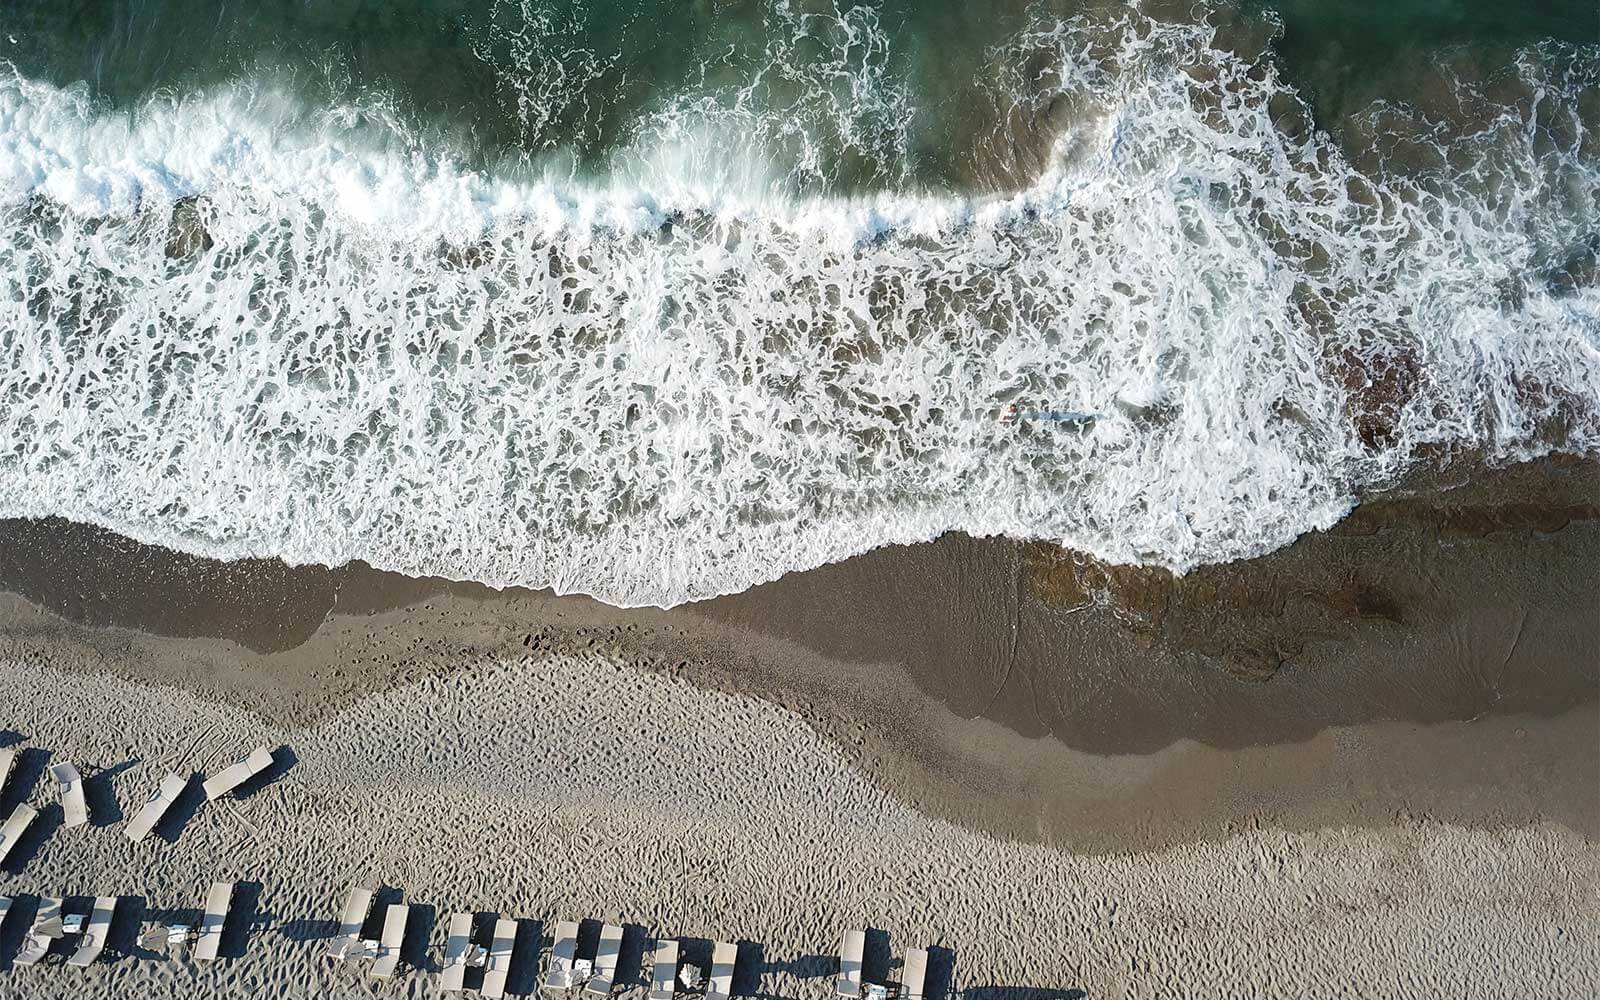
(534, 75)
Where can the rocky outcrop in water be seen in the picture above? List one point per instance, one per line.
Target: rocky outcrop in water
(1254, 615)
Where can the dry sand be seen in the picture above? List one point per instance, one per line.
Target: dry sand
(567, 785)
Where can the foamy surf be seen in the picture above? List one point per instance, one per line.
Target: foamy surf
(693, 373)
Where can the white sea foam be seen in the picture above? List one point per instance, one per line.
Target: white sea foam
(678, 383)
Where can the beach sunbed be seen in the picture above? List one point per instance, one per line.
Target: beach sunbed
(561, 974)
(15, 826)
(45, 931)
(501, 953)
(664, 972)
(95, 934)
(218, 899)
(5, 908)
(347, 943)
(231, 777)
(914, 974)
(7, 758)
(155, 807)
(605, 961)
(460, 954)
(394, 934)
(70, 784)
(724, 957)
(850, 955)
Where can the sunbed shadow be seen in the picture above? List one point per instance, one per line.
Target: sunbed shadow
(25, 772)
(524, 977)
(123, 938)
(747, 969)
(33, 840)
(941, 972)
(15, 929)
(8, 737)
(875, 956)
(283, 759)
(414, 946)
(181, 812)
(588, 935)
(306, 929)
(806, 966)
(630, 956)
(243, 918)
(104, 810)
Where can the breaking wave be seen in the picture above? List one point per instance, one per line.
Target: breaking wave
(239, 326)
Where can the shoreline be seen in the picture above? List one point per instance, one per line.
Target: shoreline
(975, 679)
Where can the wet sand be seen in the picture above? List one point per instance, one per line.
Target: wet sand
(1438, 654)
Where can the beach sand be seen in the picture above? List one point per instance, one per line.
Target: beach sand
(574, 785)
(1367, 764)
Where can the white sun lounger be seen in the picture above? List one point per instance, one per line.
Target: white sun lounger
(232, 777)
(850, 955)
(501, 952)
(7, 758)
(15, 826)
(347, 943)
(394, 934)
(560, 974)
(94, 935)
(218, 899)
(460, 954)
(724, 957)
(155, 807)
(605, 961)
(70, 784)
(914, 974)
(44, 932)
(664, 973)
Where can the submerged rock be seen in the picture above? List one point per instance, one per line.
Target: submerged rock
(186, 233)
(1254, 615)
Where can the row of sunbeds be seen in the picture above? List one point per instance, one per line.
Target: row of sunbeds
(93, 929)
(594, 974)
(75, 806)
